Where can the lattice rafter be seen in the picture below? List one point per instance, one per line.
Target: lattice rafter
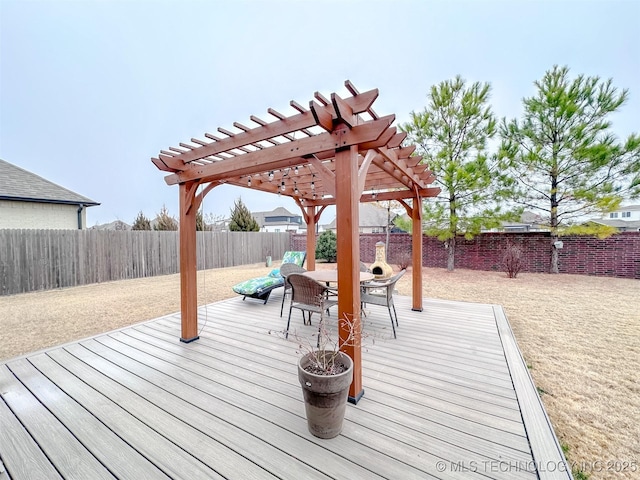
(295, 155)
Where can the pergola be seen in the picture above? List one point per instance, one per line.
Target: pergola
(337, 151)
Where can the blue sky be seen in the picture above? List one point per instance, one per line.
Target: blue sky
(91, 90)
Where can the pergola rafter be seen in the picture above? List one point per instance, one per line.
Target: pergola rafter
(337, 151)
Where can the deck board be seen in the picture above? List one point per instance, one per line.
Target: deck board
(103, 443)
(446, 400)
(65, 452)
(16, 444)
(141, 426)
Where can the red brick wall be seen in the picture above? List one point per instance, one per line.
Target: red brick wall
(616, 256)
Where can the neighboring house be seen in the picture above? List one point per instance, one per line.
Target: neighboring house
(115, 225)
(625, 219)
(628, 213)
(373, 219)
(220, 225)
(279, 220)
(29, 201)
(529, 222)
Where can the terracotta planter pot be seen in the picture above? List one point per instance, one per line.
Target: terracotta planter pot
(325, 397)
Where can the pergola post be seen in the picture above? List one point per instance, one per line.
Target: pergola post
(188, 258)
(348, 252)
(310, 217)
(416, 254)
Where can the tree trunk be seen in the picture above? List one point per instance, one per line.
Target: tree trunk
(386, 246)
(451, 254)
(554, 256)
(554, 211)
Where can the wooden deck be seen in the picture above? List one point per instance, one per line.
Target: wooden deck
(450, 398)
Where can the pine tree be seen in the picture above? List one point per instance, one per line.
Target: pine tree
(165, 221)
(241, 219)
(567, 163)
(452, 135)
(200, 223)
(141, 222)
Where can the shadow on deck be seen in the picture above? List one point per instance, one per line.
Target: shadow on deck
(450, 398)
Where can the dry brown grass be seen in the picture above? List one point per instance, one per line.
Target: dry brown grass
(580, 335)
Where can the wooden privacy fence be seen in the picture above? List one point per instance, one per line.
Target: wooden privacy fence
(45, 259)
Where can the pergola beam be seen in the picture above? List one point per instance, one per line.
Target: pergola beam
(364, 170)
(327, 176)
(284, 125)
(280, 156)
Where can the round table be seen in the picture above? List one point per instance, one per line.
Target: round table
(331, 276)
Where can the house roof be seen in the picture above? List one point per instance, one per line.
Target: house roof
(261, 217)
(371, 215)
(20, 185)
(530, 218)
(277, 212)
(115, 225)
(619, 224)
(627, 208)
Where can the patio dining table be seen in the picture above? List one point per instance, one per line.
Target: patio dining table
(331, 276)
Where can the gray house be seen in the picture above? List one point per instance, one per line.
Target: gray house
(626, 218)
(29, 201)
(279, 220)
(373, 219)
(529, 222)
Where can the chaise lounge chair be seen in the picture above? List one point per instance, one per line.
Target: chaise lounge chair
(261, 287)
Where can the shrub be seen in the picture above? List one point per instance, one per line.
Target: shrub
(201, 225)
(512, 260)
(404, 260)
(141, 222)
(326, 247)
(165, 222)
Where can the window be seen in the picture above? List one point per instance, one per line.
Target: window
(613, 215)
(626, 214)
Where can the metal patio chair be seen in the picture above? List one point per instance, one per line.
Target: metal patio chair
(309, 296)
(285, 270)
(381, 293)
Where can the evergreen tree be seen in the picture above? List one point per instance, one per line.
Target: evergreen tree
(165, 221)
(404, 223)
(452, 134)
(200, 223)
(567, 163)
(141, 222)
(241, 218)
(327, 246)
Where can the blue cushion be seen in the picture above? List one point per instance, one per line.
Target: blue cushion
(275, 273)
(255, 286)
(294, 257)
(258, 285)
